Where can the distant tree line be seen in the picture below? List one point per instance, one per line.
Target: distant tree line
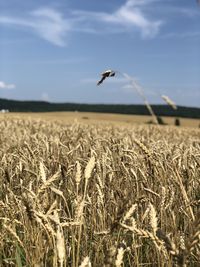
(42, 106)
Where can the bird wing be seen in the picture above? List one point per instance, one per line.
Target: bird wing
(112, 74)
(102, 79)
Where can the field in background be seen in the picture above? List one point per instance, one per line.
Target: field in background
(74, 192)
(90, 117)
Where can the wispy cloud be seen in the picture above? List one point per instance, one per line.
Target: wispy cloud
(134, 15)
(4, 85)
(128, 17)
(48, 23)
(51, 25)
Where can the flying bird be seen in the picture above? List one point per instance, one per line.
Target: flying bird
(106, 74)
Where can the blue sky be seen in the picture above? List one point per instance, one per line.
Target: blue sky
(56, 50)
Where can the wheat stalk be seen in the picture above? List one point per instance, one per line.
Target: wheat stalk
(86, 262)
(120, 255)
(48, 182)
(89, 168)
(153, 218)
(169, 101)
(60, 245)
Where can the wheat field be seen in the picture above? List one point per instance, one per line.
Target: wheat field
(97, 194)
(93, 117)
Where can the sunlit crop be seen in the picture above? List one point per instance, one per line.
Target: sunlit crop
(82, 194)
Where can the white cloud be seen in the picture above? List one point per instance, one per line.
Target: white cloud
(48, 23)
(4, 85)
(129, 16)
(134, 15)
(52, 26)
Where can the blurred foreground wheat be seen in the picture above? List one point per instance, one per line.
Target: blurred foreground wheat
(98, 195)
